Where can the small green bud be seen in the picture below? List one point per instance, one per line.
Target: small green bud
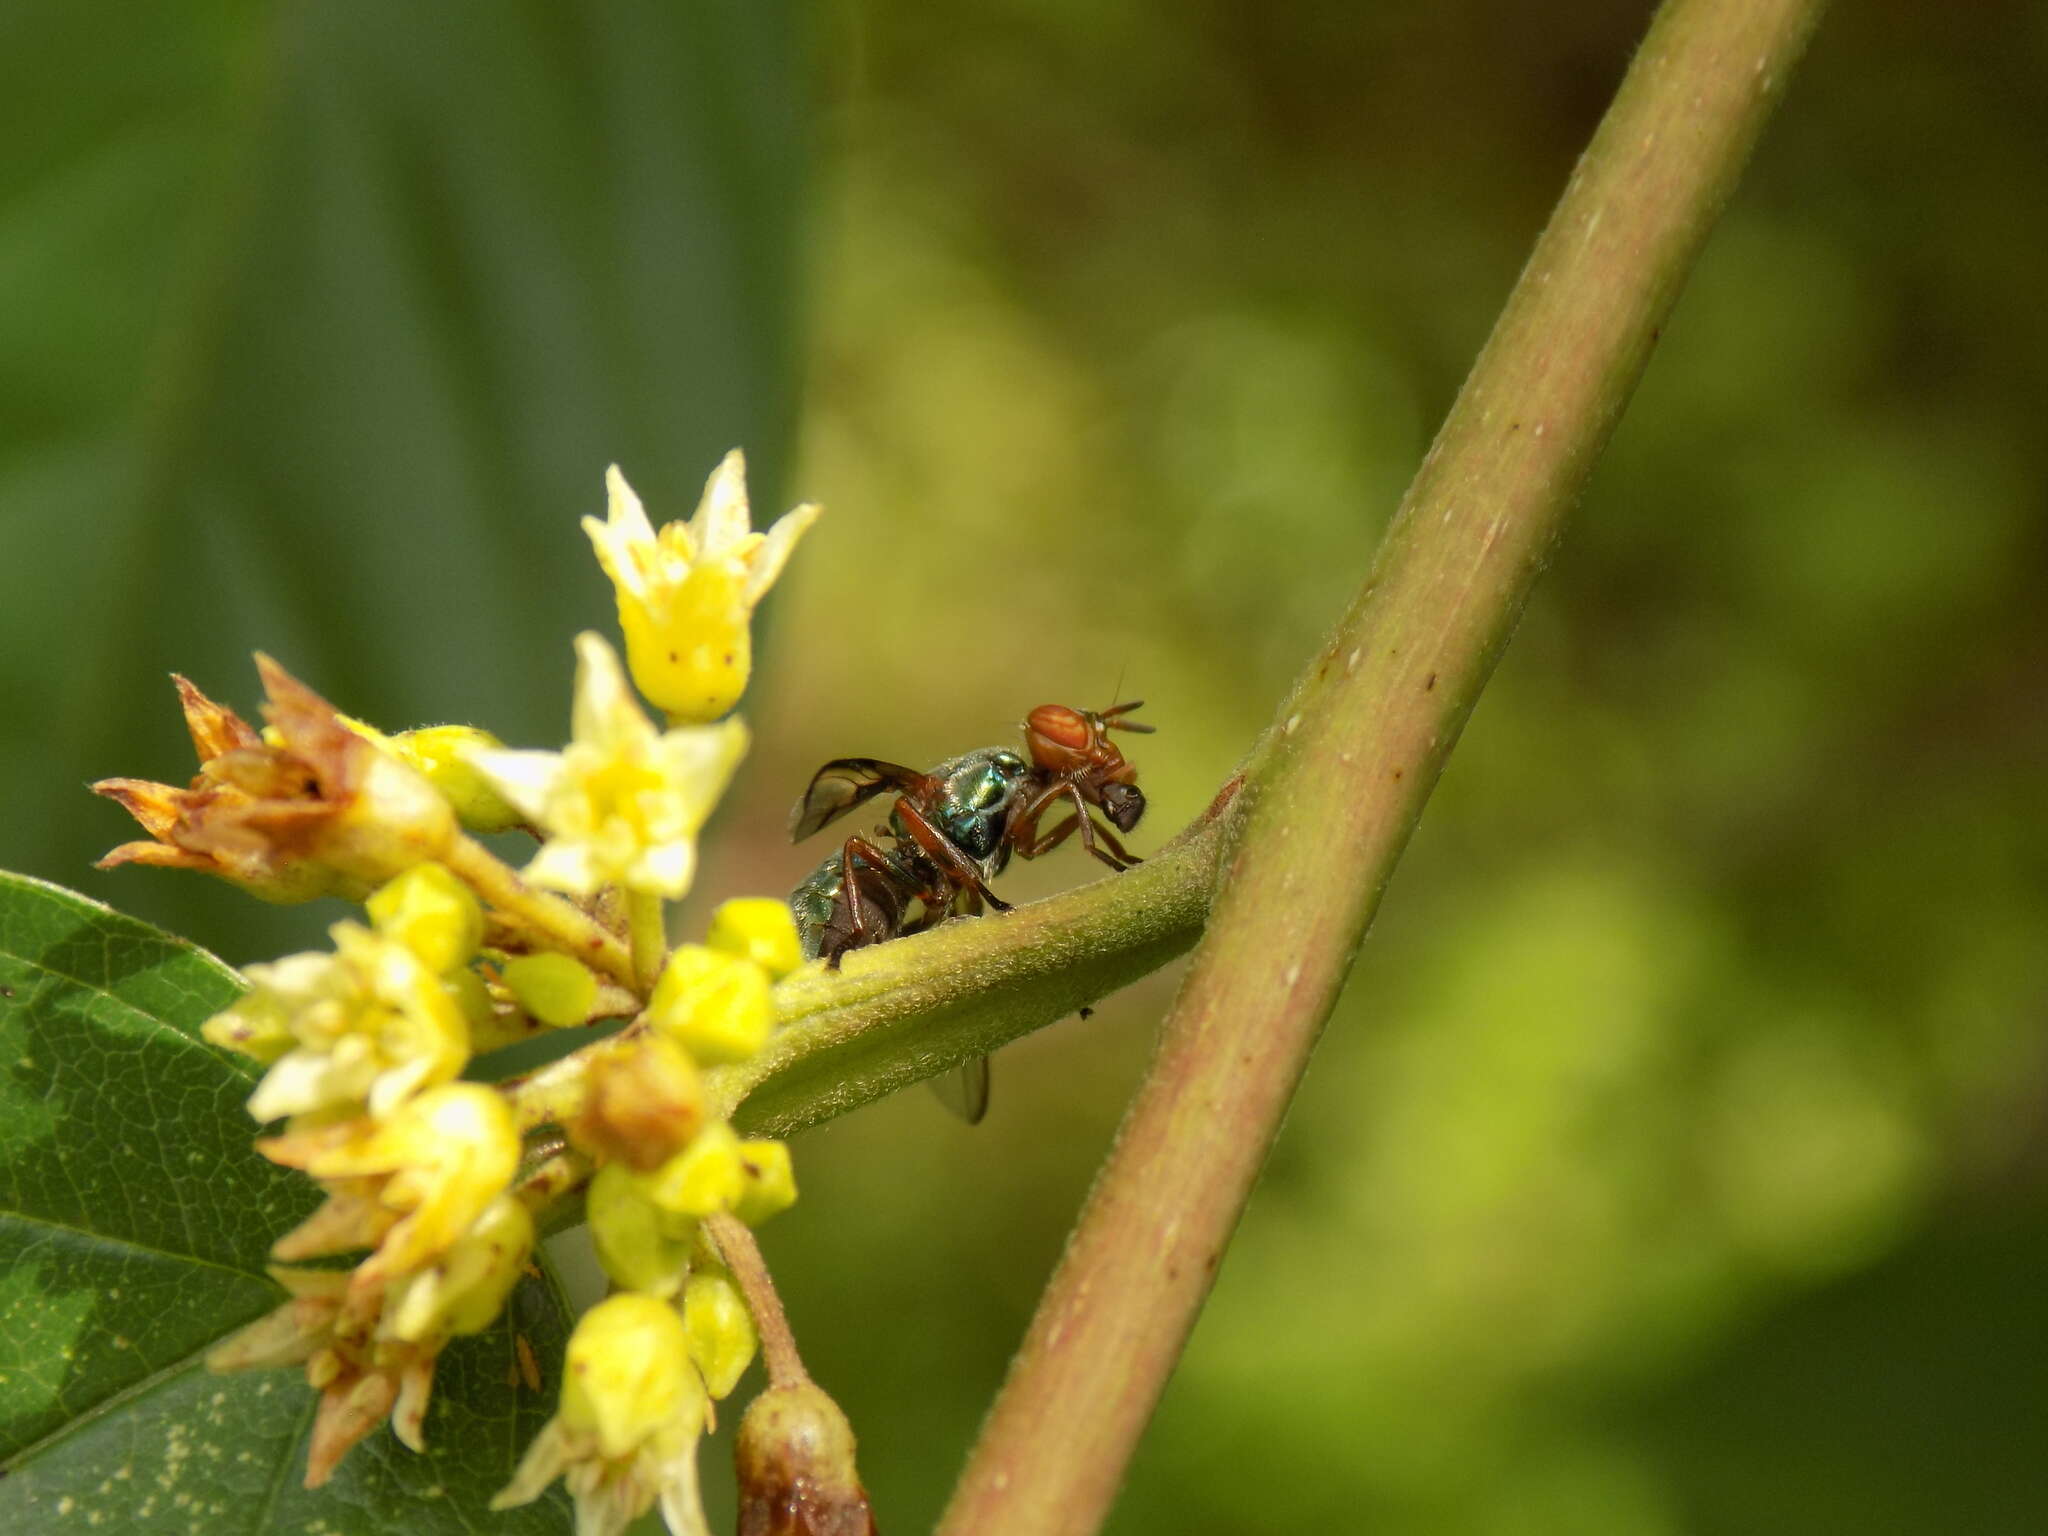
(431, 913)
(713, 1004)
(770, 1181)
(474, 999)
(721, 1329)
(641, 1246)
(554, 988)
(760, 929)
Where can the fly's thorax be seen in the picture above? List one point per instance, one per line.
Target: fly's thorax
(978, 790)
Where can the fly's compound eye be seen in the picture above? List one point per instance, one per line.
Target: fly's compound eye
(1061, 726)
(1123, 804)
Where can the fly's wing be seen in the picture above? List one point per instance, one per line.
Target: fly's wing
(844, 783)
(964, 1090)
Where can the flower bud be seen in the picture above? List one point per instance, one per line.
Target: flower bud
(760, 929)
(440, 755)
(554, 988)
(641, 1246)
(643, 1103)
(720, 1327)
(770, 1181)
(629, 1376)
(713, 1004)
(431, 913)
(692, 657)
(795, 1458)
(705, 1177)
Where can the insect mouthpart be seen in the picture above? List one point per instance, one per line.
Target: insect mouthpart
(1123, 804)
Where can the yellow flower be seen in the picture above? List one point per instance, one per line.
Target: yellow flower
(436, 1166)
(626, 1433)
(369, 1025)
(367, 1364)
(465, 1289)
(687, 593)
(623, 803)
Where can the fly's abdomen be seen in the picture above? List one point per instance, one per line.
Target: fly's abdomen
(813, 903)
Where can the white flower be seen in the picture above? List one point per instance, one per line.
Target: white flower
(369, 1025)
(623, 803)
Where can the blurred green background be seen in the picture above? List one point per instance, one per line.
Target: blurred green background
(1675, 1162)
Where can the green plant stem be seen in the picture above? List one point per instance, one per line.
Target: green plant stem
(538, 914)
(649, 931)
(914, 1007)
(1336, 785)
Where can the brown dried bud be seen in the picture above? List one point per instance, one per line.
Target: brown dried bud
(796, 1469)
(317, 810)
(643, 1103)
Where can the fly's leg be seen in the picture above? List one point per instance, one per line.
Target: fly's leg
(954, 866)
(876, 861)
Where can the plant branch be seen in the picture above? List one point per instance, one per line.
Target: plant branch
(1337, 784)
(914, 1007)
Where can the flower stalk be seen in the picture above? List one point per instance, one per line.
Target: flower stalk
(649, 937)
(742, 1255)
(550, 920)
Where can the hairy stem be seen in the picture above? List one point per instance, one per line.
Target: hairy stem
(539, 914)
(742, 1256)
(1337, 784)
(912, 1008)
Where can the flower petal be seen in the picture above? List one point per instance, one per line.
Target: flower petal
(769, 557)
(666, 868)
(722, 519)
(562, 865)
(699, 762)
(527, 779)
(624, 541)
(541, 1465)
(605, 712)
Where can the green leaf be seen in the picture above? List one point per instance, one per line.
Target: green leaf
(322, 324)
(135, 1218)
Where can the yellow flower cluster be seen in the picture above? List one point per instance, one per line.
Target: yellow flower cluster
(434, 1179)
